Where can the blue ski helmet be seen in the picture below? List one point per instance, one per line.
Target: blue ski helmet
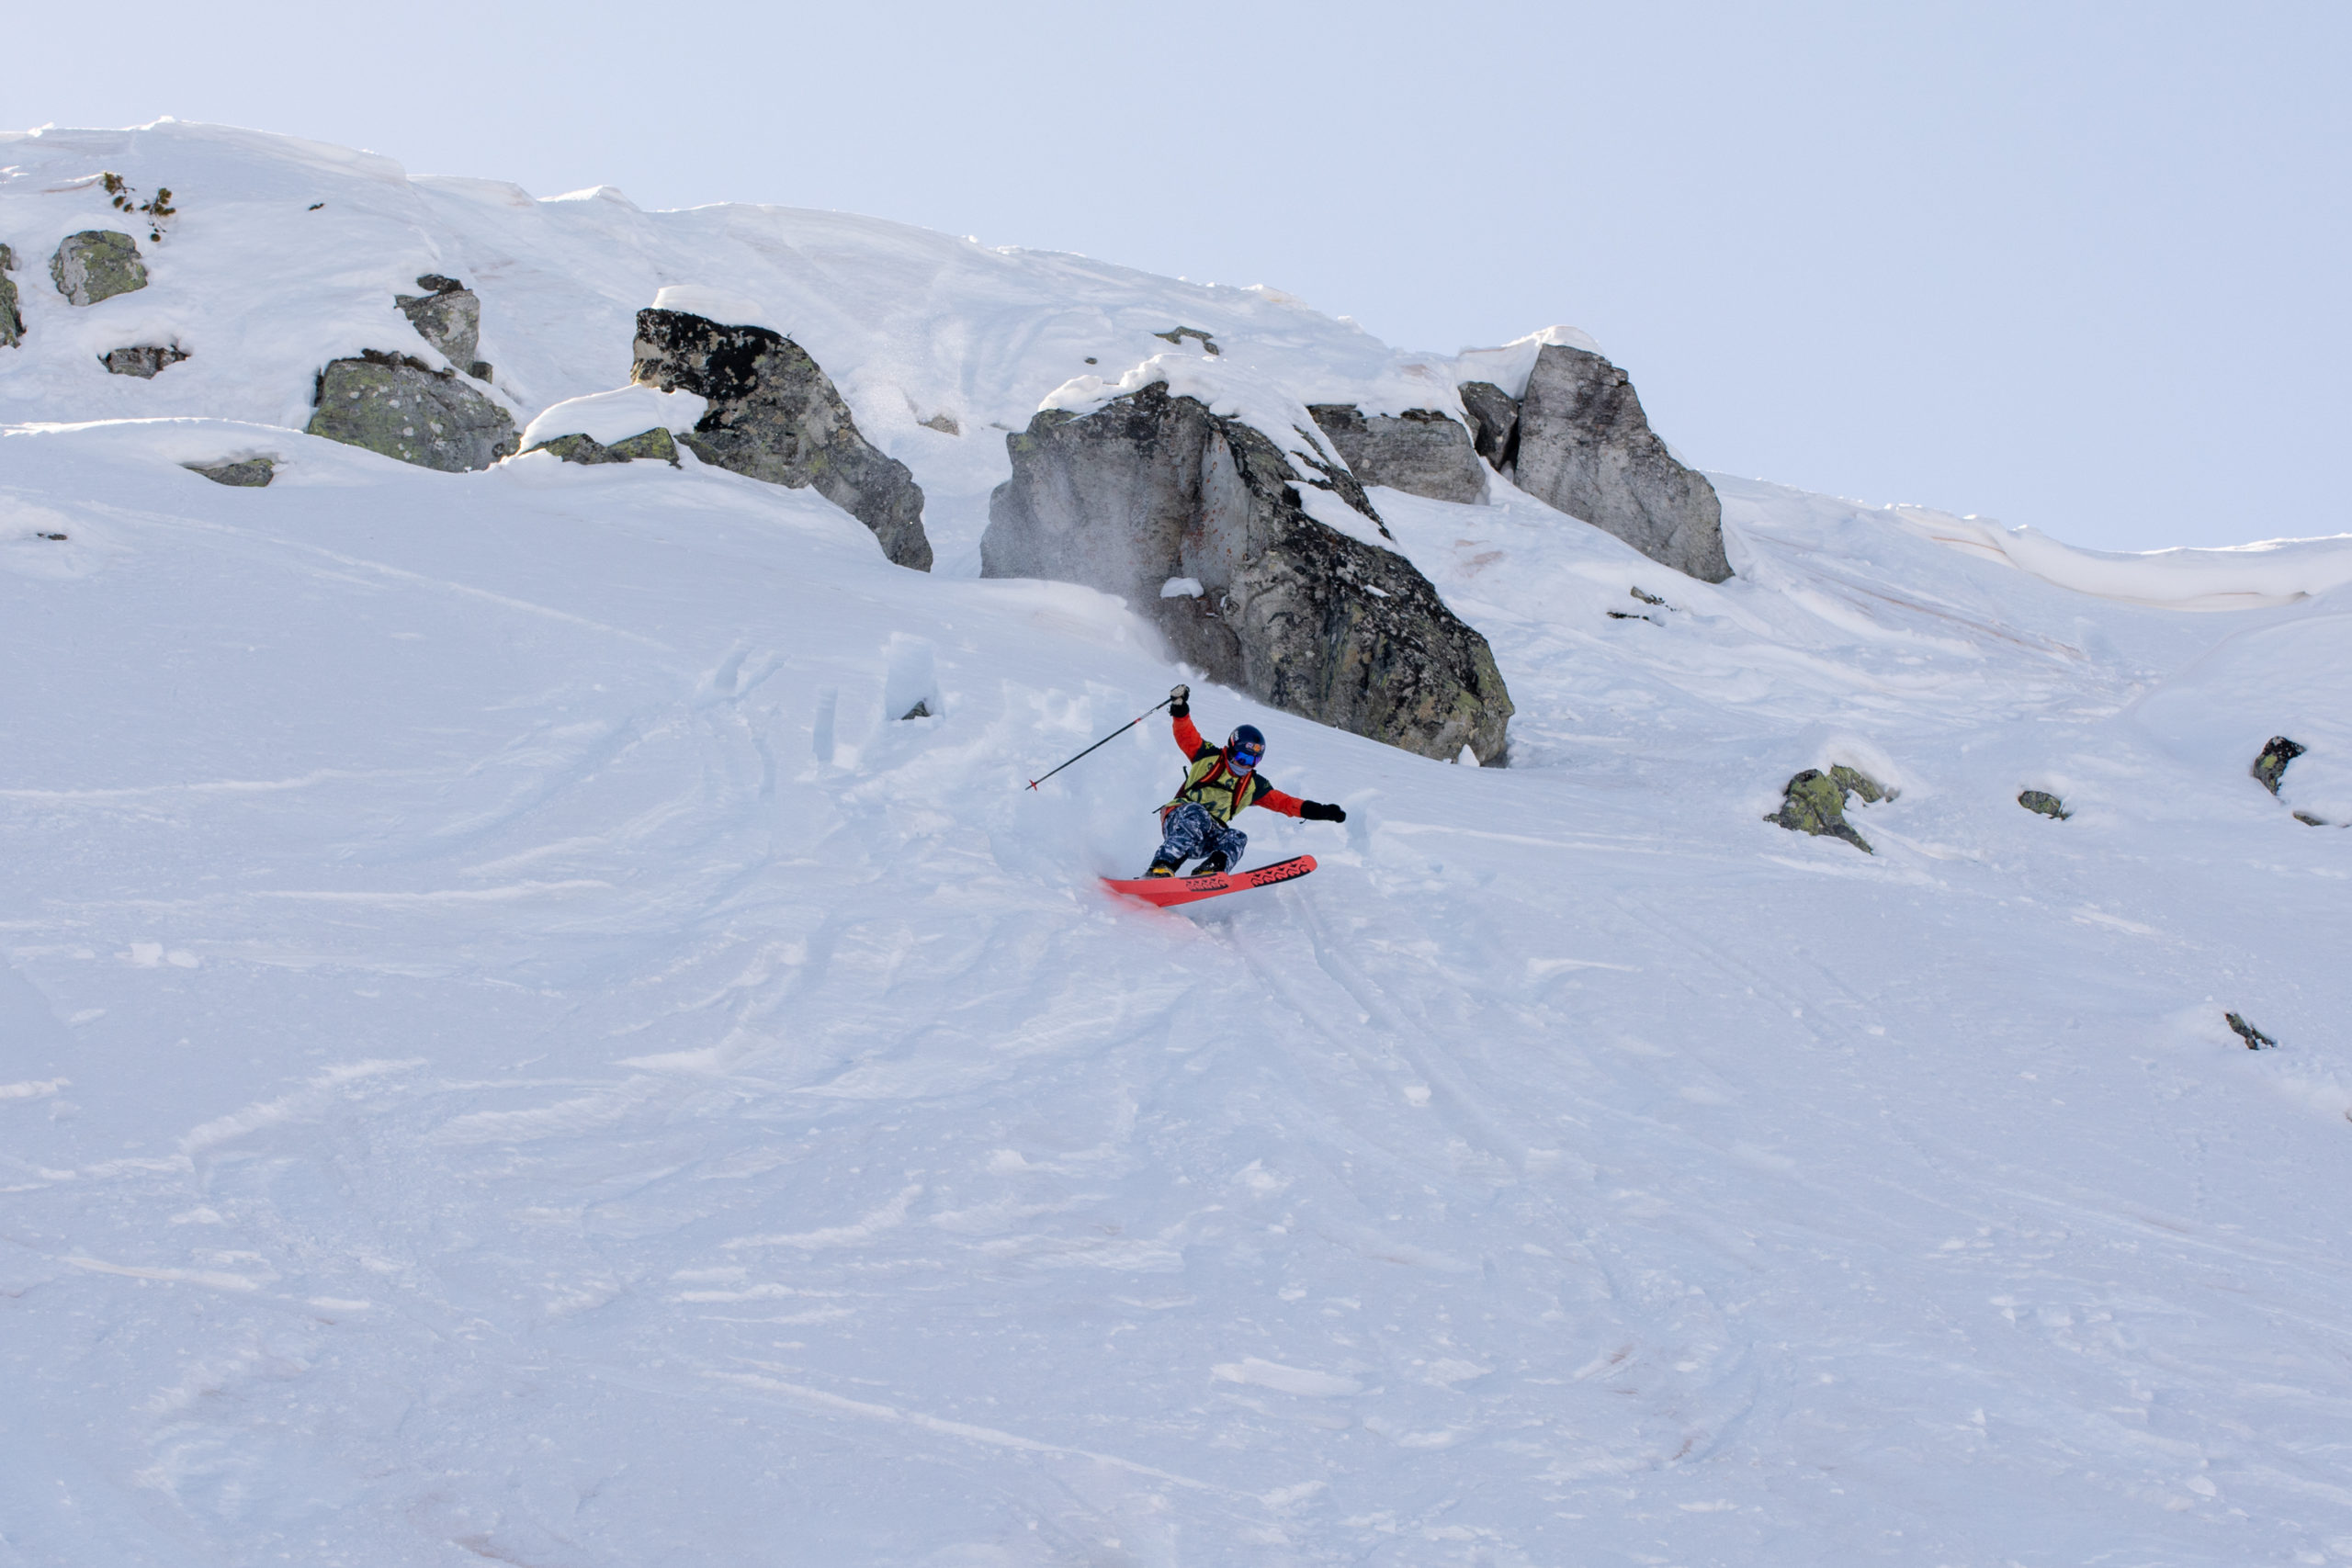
(1243, 747)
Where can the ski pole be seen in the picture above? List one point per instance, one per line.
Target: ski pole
(1138, 718)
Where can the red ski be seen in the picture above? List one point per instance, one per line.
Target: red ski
(1166, 890)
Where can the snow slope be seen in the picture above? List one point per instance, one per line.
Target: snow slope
(509, 1050)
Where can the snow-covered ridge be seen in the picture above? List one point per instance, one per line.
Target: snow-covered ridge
(286, 254)
(2239, 577)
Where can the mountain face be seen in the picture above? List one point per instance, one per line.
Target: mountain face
(540, 1020)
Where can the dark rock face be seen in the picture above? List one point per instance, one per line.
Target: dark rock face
(1814, 802)
(1152, 489)
(647, 446)
(1419, 452)
(143, 360)
(1494, 417)
(252, 473)
(2271, 765)
(1585, 448)
(2045, 802)
(775, 415)
(96, 264)
(12, 325)
(449, 318)
(404, 409)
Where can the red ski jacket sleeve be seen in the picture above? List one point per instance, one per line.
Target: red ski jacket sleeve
(1187, 737)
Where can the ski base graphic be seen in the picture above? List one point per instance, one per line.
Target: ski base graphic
(1167, 890)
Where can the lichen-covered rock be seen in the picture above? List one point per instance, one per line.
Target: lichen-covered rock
(1494, 421)
(96, 264)
(449, 318)
(775, 415)
(11, 323)
(2271, 766)
(404, 409)
(1585, 447)
(1814, 802)
(143, 360)
(1152, 490)
(647, 446)
(2045, 802)
(248, 473)
(1856, 782)
(1421, 451)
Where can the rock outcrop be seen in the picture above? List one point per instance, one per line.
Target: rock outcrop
(404, 409)
(2270, 769)
(96, 264)
(143, 360)
(1585, 448)
(1196, 520)
(1494, 421)
(2043, 802)
(1814, 802)
(449, 318)
(775, 415)
(2271, 765)
(651, 445)
(12, 322)
(2254, 1039)
(1421, 451)
(1578, 441)
(1177, 335)
(246, 473)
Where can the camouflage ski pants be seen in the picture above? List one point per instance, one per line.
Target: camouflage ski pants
(1189, 832)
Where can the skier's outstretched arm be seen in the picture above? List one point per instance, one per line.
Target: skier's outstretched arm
(1291, 806)
(1187, 735)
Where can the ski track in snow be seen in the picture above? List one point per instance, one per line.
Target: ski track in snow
(507, 1050)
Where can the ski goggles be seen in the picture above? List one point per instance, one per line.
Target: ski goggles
(1242, 759)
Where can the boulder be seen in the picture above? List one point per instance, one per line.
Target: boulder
(449, 318)
(1196, 520)
(775, 415)
(143, 360)
(1494, 422)
(647, 446)
(11, 323)
(248, 473)
(1585, 447)
(404, 409)
(98, 263)
(1814, 802)
(2045, 802)
(2271, 766)
(1419, 451)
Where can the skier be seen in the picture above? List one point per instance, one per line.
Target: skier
(1219, 782)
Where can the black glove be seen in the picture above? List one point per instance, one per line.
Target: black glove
(1315, 811)
(1180, 701)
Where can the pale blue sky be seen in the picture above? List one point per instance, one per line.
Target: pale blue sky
(2082, 267)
